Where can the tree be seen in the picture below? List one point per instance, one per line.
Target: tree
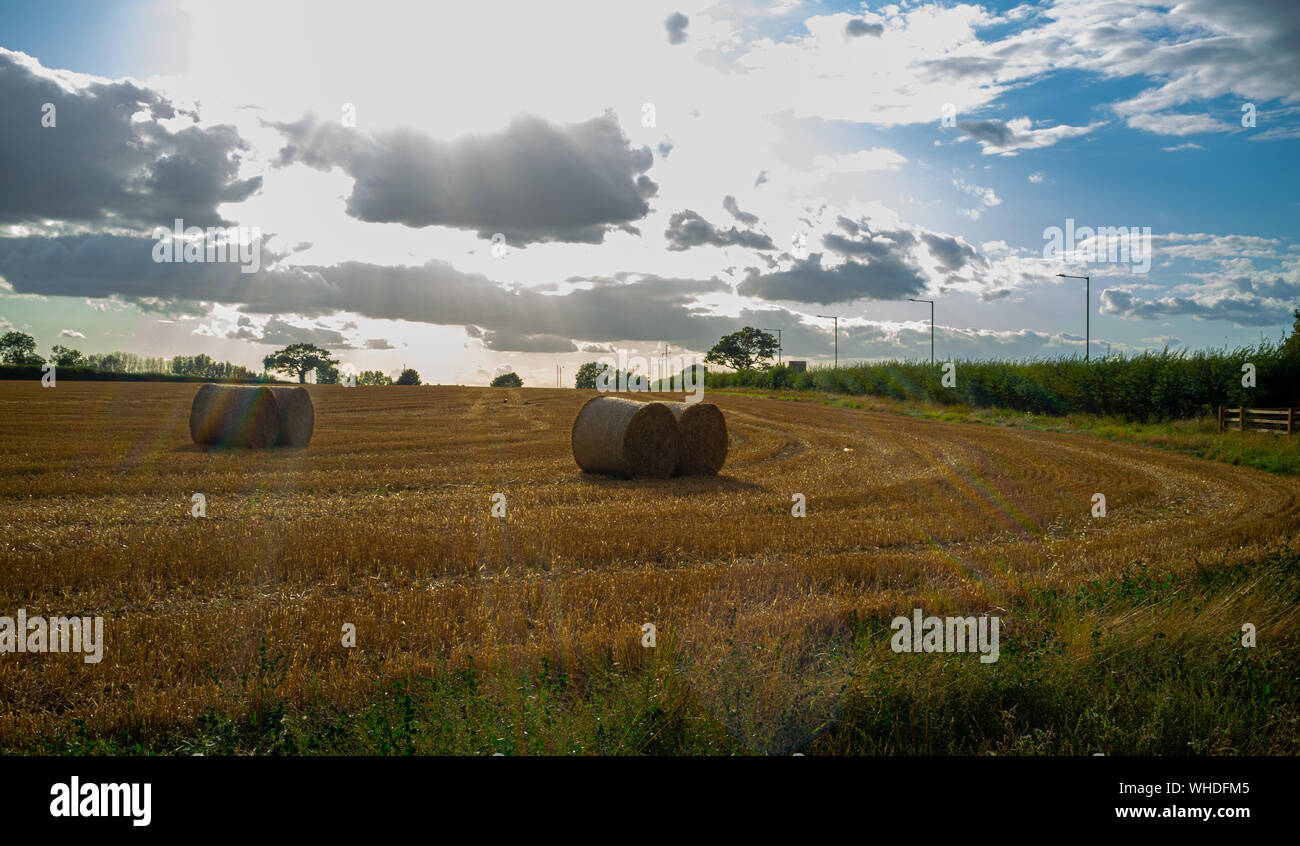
(64, 357)
(327, 374)
(743, 350)
(1291, 346)
(373, 377)
(508, 380)
(409, 377)
(109, 363)
(19, 348)
(300, 359)
(587, 374)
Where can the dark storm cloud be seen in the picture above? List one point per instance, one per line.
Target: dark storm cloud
(992, 133)
(875, 245)
(729, 203)
(534, 181)
(808, 281)
(614, 309)
(951, 253)
(280, 333)
(857, 28)
(504, 341)
(108, 157)
(676, 26)
(688, 229)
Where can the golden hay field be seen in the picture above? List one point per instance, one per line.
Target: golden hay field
(385, 522)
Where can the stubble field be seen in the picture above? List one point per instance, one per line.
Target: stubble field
(767, 623)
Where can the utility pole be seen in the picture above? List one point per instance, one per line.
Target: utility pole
(778, 344)
(1087, 312)
(836, 318)
(931, 302)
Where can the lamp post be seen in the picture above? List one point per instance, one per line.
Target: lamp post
(931, 302)
(837, 334)
(778, 344)
(1087, 312)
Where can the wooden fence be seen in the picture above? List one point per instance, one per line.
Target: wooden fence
(1279, 420)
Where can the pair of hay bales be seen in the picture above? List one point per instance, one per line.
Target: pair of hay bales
(256, 417)
(623, 437)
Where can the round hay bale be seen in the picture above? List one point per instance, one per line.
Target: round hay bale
(297, 416)
(704, 438)
(233, 415)
(622, 437)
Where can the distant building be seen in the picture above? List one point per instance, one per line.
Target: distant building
(797, 366)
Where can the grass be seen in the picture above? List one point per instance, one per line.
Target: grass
(1140, 664)
(478, 635)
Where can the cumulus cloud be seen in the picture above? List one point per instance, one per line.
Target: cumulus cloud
(70, 333)
(857, 28)
(1238, 292)
(1173, 123)
(687, 229)
(1008, 138)
(676, 26)
(986, 196)
(533, 181)
(951, 253)
(729, 203)
(109, 156)
(811, 281)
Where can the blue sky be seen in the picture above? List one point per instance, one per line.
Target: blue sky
(773, 122)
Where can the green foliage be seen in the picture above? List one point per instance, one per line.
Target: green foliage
(19, 348)
(743, 350)
(299, 360)
(1146, 387)
(373, 377)
(65, 357)
(508, 380)
(1127, 665)
(327, 374)
(587, 374)
(409, 377)
(200, 365)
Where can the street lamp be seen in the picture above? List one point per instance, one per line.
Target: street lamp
(837, 334)
(1087, 311)
(931, 302)
(778, 344)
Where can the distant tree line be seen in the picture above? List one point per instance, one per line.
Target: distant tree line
(18, 355)
(1165, 385)
(19, 360)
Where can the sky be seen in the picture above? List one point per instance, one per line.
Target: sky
(471, 188)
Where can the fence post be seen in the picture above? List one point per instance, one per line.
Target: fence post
(1290, 419)
(1241, 420)
(1220, 419)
